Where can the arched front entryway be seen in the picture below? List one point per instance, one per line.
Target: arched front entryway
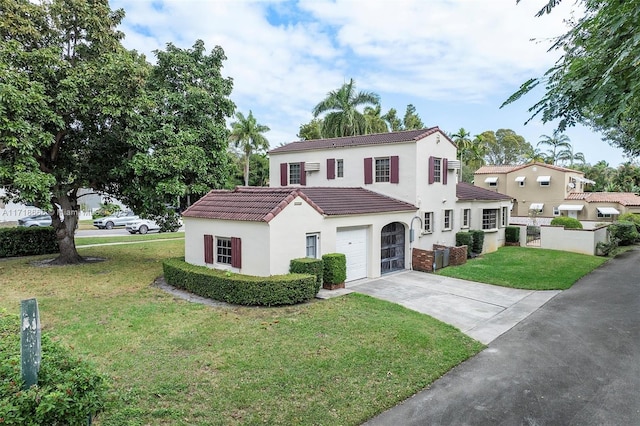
(392, 248)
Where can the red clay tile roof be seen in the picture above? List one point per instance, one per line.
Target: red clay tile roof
(467, 192)
(347, 141)
(484, 170)
(622, 198)
(261, 204)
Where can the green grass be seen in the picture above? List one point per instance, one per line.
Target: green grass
(85, 241)
(334, 362)
(527, 268)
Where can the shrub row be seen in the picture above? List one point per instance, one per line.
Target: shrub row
(310, 266)
(69, 390)
(473, 239)
(240, 289)
(27, 241)
(567, 222)
(624, 232)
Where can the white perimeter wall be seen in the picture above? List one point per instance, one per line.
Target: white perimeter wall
(573, 240)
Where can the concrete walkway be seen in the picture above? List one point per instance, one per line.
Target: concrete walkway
(481, 311)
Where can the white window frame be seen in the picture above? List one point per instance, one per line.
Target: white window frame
(382, 170)
(503, 217)
(447, 220)
(489, 219)
(312, 242)
(437, 169)
(466, 218)
(556, 211)
(339, 168)
(298, 173)
(223, 251)
(428, 223)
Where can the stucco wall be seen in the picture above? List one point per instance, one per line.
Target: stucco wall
(573, 240)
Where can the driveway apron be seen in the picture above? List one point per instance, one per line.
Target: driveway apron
(574, 361)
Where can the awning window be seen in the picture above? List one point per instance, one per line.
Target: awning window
(536, 206)
(584, 180)
(520, 178)
(492, 179)
(608, 210)
(543, 179)
(570, 207)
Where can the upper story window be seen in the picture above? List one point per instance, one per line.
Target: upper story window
(294, 173)
(520, 180)
(489, 218)
(428, 222)
(383, 169)
(544, 180)
(340, 167)
(447, 222)
(437, 169)
(492, 181)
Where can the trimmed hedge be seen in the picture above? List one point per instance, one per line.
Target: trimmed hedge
(237, 288)
(68, 391)
(27, 241)
(567, 222)
(512, 234)
(335, 268)
(464, 238)
(308, 265)
(478, 240)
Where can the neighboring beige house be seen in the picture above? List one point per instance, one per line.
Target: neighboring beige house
(601, 206)
(372, 197)
(538, 187)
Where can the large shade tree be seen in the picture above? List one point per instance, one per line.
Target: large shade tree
(80, 111)
(340, 109)
(597, 79)
(504, 147)
(247, 135)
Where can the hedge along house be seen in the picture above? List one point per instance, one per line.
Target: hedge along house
(257, 231)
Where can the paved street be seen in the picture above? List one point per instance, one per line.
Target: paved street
(575, 361)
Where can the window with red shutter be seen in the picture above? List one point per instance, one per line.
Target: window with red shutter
(303, 175)
(331, 168)
(368, 171)
(284, 180)
(395, 171)
(236, 252)
(445, 165)
(208, 249)
(431, 173)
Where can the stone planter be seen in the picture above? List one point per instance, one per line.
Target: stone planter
(328, 286)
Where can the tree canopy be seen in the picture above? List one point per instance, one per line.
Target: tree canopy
(596, 81)
(80, 111)
(504, 147)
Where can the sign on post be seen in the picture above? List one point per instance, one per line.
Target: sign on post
(30, 349)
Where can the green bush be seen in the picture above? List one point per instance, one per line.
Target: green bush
(106, 209)
(240, 289)
(335, 268)
(623, 231)
(27, 241)
(464, 238)
(478, 240)
(631, 217)
(512, 234)
(68, 390)
(308, 265)
(567, 222)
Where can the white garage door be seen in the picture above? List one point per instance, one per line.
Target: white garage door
(353, 243)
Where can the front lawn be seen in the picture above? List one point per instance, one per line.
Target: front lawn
(333, 362)
(526, 268)
(85, 241)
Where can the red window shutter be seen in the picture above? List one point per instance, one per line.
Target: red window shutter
(303, 175)
(368, 170)
(236, 252)
(208, 249)
(284, 168)
(331, 168)
(431, 174)
(445, 172)
(395, 172)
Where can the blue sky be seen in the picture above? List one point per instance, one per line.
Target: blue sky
(456, 61)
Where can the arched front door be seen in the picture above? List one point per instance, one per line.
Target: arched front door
(392, 248)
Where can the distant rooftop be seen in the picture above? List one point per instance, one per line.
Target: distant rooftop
(486, 170)
(468, 192)
(622, 198)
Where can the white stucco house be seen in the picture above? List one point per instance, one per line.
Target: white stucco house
(373, 197)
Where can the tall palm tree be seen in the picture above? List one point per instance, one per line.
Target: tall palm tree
(342, 118)
(461, 138)
(568, 156)
(373, 118)
(535, 155)
(247, 134)
(557, 142)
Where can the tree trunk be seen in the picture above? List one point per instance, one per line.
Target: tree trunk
(246, 169)
(64, 221)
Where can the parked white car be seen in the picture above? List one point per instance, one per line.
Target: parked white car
(117, 219)
(142, 226)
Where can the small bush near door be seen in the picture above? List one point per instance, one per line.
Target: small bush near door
(512, 234)
(478, 240)
(308, 265)
(335, 270)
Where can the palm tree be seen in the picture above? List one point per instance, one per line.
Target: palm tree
(567, 155)
(342, 118)
(462, 141)
(375, 122)
(557, 142)
(535, 155)
(247, 135)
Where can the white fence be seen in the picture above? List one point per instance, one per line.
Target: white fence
(574, 240)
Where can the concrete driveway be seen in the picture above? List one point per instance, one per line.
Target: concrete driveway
(481, 311)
